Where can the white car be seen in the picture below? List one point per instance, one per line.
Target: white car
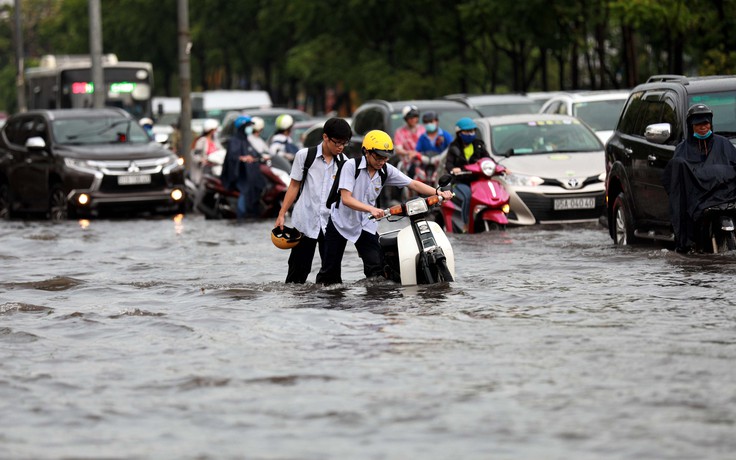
(598, 109)
(555, 167)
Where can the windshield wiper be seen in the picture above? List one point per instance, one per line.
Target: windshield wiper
(101, 131)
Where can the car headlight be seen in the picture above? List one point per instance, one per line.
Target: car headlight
(523, 180)
(170, 163)
(81, 165)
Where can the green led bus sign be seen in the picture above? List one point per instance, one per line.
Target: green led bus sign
(122, 87)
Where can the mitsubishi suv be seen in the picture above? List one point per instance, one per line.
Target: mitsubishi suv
(650, 127)
(68, 162)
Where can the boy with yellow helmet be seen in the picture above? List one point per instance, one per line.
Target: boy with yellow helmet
(353, 216)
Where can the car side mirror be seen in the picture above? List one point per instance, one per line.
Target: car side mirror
(658, 133)
(35, 143)
(445, 180)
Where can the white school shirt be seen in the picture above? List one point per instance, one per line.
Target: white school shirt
(349, 222)
(310, 213)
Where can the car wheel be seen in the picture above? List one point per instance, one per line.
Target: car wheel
(58, 204)
(623, 222)
(4, 202)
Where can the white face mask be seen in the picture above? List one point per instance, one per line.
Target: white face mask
(249, 130)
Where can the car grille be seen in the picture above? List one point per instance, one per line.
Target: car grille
(115, 169)
(542, 206)
(110, 184)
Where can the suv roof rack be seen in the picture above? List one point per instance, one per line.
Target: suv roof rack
(668, 77)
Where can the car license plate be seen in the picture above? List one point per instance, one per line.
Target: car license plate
(134, 180)
(563, 204)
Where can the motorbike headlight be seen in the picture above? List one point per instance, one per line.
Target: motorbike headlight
(488, 167)
(523, 180)
(416, 206)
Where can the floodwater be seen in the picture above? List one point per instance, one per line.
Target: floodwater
(176, 338)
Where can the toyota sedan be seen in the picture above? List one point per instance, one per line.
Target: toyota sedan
(555, 163)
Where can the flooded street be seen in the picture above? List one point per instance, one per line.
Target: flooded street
(177, 338)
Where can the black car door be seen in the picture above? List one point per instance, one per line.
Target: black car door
(645, 170)
(29, 177)
(656, 202)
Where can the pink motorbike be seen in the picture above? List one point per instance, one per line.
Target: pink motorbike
(489, 200)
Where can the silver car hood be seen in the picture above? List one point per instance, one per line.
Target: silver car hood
(556, 165)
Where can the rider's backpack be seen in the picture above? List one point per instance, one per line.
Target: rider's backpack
(311, 155)
(334, 197)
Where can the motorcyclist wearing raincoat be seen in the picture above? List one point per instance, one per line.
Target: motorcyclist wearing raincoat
(701, 174)
(241, 170)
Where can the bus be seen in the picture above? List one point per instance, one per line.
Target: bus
(62, 82)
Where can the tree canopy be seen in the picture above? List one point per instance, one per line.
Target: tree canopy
(301, 51)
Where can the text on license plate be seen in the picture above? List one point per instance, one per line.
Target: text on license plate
(134, 180)
(562, 204)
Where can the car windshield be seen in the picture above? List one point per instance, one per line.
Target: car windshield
(448, 118)
(494, 110)
(723, 105)
(599, 115)
(99, 130)
(543, 136)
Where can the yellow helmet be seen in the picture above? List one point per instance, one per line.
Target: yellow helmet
(286, 238)
(379, 142)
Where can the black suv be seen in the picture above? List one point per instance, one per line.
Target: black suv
(650, 127)
(82, 161)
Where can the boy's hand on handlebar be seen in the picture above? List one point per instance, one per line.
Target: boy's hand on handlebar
(377, 213)
(446, 194)
(456, 171)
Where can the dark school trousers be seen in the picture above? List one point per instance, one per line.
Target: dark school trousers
(368, 247)
(300, 259)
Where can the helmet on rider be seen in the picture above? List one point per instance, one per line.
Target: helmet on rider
(428, 117)
(284, 122)
(378, 142)
(258, 124)
(210, 125)
(286, 238)
(699, 113)
(410, 111)
(465, 124)
(145, 122)
(242, 120)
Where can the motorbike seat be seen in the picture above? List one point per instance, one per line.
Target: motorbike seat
(388, 239)
(731, 206)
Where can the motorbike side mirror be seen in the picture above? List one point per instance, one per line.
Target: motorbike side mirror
(508, 153)
(445, 180)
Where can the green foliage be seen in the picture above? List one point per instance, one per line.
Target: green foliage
(391, 49)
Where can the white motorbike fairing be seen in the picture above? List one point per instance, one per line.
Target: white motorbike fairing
(432, 237)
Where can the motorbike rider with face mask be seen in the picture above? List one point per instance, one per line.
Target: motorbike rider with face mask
(701, 174)
(465, 149)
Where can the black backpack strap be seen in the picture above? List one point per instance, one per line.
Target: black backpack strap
(334, 197)
(311, 155)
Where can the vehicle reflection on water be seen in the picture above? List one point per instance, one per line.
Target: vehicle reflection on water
(176, 338)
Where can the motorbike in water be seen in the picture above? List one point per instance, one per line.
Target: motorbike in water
(489, 200)
(214, 201)
(419, 253)
(717, 230)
